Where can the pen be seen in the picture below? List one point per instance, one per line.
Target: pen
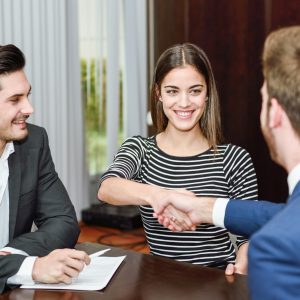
(99, 253)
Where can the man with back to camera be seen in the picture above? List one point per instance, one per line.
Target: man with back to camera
(274, 260)
(30, 191)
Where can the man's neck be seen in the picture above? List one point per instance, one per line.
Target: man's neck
(288, 147)
(292, 156)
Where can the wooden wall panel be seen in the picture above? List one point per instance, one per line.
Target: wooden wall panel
(232, 34)
(284, 13)
(170, 24)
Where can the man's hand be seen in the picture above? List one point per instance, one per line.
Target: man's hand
(60, 266)
(175, 220)
(167, 214)
(197, 209)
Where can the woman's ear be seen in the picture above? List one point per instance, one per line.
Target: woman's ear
(157, 92)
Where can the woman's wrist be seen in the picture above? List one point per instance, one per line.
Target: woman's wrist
(152, 194)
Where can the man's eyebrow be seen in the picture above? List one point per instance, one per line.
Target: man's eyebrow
(19, 95)
(29, 90)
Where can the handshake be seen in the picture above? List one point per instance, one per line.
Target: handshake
(181, 210)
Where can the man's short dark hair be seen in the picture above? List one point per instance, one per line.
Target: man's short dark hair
(11, 59)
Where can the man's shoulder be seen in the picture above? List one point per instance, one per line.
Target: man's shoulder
(35, 136)
(274, 253)
(34, 129)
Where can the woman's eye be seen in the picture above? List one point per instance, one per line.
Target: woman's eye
(171, 92)
(195, 92)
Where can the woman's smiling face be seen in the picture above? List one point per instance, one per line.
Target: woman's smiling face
(183, 94)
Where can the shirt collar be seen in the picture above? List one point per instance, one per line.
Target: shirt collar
(8, 150)
(293, 178)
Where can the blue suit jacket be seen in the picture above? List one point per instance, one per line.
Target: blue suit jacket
(274, 251)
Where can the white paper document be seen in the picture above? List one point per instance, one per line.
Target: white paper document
(94, 277)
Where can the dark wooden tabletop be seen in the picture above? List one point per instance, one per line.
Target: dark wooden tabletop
(148, 277)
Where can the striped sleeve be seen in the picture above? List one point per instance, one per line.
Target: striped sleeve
(127, 161)
(241, 177)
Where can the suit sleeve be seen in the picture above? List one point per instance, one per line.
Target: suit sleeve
(244, 217)
(274, 264)
(9, 265)
(54, 217)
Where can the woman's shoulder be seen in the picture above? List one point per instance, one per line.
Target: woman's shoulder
(230, 149)
(140, 141)
(231, 153)
(234, 154)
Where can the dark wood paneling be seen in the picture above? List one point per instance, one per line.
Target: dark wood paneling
(233, 46)
(232, 33)
(171, 23)
(170, 28)
(284, 13)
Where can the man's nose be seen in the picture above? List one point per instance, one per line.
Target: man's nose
(27, 108)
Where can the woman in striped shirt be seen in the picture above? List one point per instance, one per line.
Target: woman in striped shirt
(186, 158)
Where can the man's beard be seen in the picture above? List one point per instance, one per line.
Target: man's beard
(12, 137)
(8, 135)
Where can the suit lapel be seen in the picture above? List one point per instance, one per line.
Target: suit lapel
(14, 182)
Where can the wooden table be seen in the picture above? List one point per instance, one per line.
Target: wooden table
(148, 277)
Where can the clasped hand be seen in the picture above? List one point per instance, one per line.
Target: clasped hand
(175, 210)
(181, 210)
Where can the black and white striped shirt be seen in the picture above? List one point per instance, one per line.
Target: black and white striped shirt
(227, 173)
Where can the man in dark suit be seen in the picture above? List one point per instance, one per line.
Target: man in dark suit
(274, 260)
(30, 191)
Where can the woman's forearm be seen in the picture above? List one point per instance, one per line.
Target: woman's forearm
(119, 191)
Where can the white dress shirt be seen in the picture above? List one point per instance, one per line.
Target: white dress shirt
(293, 178)
(4, 194)
(219, 208)
(24, 274)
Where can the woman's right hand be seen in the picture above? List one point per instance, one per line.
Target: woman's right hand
(190, 210)
(175, 220)
(172, 218)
